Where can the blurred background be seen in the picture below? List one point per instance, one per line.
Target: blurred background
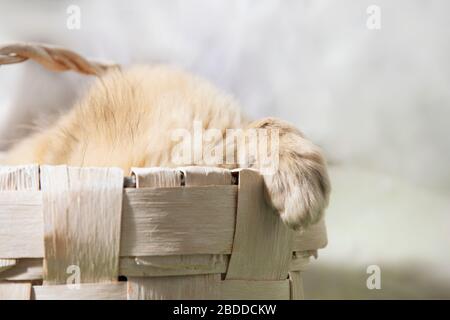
(377, 102)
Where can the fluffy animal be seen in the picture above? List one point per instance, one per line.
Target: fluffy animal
(127, 119)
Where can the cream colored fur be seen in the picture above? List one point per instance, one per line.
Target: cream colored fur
(126, 120)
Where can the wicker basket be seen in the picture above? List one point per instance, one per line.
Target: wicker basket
(185, 233)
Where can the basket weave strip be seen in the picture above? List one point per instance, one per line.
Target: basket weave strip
(183, 233)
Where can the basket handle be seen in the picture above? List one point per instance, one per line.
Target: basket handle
(52, 57)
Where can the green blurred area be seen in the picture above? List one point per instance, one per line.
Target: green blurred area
(334, 282)
(380, 219)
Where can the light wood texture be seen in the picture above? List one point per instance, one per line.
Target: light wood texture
(255, 290)
(24, 178)
(15, 291)
(300, 261)
(197, 287)
(157, 177)
(82, 218)
(25, 269)
(158, 266)
(262, 246)
(177, 234)
(151, 266)
(206, 176)
(186, 287)
(5, 264)
(89, 291)
(295, 278)
(170, 221)
(19, 178)
(21, 226)
(315, 237)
